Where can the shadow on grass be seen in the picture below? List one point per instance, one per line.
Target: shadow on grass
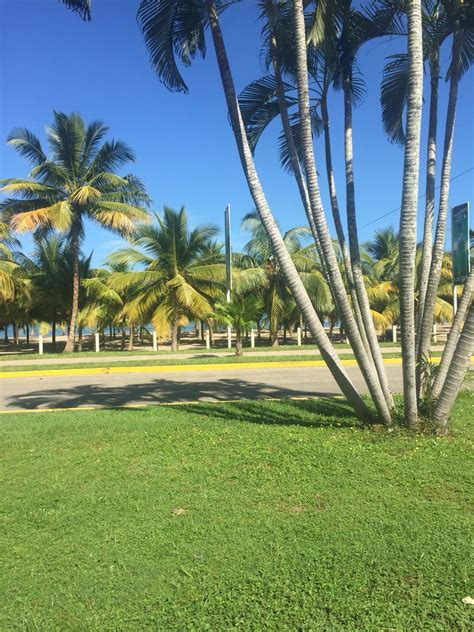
(197, 397)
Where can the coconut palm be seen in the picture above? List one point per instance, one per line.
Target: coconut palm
(8, 266)
(77, 182)
(182, 272)
(177, 30)
(259, 270)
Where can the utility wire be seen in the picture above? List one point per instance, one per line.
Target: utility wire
(398, 209)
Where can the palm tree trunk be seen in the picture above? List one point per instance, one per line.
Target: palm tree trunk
(5, 333)
(27, 334)
(337, 220)
(15, 334)
(426, 319)
(335, 277)
(291, 275)
(75, 291)
(430, 188)
(456, 373)
(409, 211)
(79, 338)
(451, 342)
(174, 331)
(130, 340)
(122, 337)
(53, 334)
(354, 249)
(238, 343)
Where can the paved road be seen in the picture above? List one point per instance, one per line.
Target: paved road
(138, 388)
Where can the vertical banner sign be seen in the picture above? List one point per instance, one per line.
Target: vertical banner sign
(228, 253)
(460, 243)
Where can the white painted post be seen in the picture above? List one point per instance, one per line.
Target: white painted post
(298, 336)
(435, 334)
(455, 301)
(40, 344)
(208, 339)
(229, 337)
(155, 342)
(252, 338)
(394, 333)
(97, 343)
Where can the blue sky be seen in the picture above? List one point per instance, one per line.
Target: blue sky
(185, 151)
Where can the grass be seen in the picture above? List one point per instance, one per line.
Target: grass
(163, 352)
(251, 516)
(102, 362)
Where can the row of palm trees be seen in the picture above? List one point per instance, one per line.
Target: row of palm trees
(171, 275)
(312, 48)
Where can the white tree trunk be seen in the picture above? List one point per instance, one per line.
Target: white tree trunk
(451, 342)
(291, 274)
(339, 291)
(457, 371)
(408, 213)
(426, 327)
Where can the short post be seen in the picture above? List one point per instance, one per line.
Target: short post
(252, 338)
(455, 301)
(97, 342)
(155, 342)
(40, 344)
(207, 338)
(298, 336)
(435, 334)
(229, 337)
(394, 333)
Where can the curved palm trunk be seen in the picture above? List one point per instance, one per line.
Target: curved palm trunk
(354, 249)
(238, 343)
(130, 340)
(338, 223)
(409, 211)
(291, 275)
(430, 189)
(175, 331)
(426, 320)
(463, 307)
(455, 376)
(341, 299)
(75, 292)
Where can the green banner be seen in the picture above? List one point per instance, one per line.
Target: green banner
(460, 243)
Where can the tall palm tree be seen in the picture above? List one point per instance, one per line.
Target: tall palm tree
(76, 182)
(409, 211)
(182, 272)
(177, 29)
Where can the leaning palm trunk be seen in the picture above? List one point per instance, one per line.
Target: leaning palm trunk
(75, 293)
(426, 320)
(290, 141)
(294, 281)
(339, 290)
(455, 376)
(409, 211)
(337, 221)
(430, 187)
(463, 307)
(354, 249)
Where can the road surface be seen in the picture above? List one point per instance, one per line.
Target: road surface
(124, 389)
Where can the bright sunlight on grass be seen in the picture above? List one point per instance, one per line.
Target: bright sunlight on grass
(256, 515)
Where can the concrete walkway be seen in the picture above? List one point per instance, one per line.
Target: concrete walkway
(103, 358)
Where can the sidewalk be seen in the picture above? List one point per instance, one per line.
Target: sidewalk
(103, 358)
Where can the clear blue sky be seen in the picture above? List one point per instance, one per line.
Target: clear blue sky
(185, 151)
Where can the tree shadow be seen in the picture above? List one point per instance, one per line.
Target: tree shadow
(239, 400)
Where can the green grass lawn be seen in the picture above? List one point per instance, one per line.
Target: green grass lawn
(102, 363)
(250, 516)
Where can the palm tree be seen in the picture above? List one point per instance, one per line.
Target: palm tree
(241, 314)
(175, 29)
(78, 181)
(8, 266)
(440, 20)
(182, 272)
(259, 270)
(409, 211)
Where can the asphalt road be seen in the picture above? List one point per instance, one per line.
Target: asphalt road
(138, 388)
